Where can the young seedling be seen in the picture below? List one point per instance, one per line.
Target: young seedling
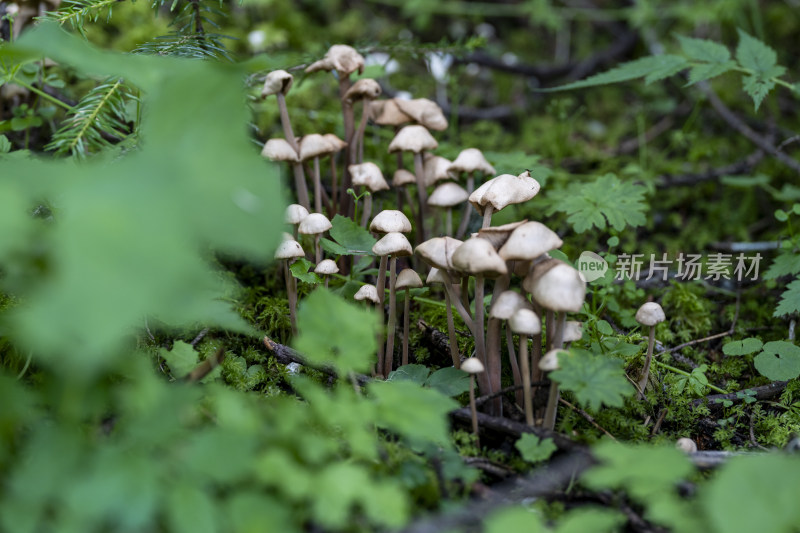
(649, 314)
(407, 279)
(473, 366)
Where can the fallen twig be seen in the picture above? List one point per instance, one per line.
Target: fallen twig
(509, 428)
(587, 417)
(286, 355)
(764, 392)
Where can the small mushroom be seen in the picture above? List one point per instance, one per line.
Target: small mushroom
(501, 191)
(366, 90)
(325, 268)
(525, 323)
(473, 366)
(649, 314)
(282, 150)
(407, 279)
(315, 224)
(287, 252)
(469, 162)
(448, 195)
(294, 215)
(686, 445)
(549, 363)
(416, 139)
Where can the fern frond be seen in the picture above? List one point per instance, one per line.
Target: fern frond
(96, 122)
(78, 12)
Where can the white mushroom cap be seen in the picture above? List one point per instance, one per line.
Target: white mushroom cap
(525, 322)
(650, 314)
(365, 88)
(438, 251)
(335, 142)
(389, 221)
(549, 361)
(314, 145)
(470, 160)
(279, 150)
(529, 241)
(425, 112)
(434, 168)
(289, 249)
(277, 81)
(368, 175)
(498, 235)
(294, 214)
(478, 257)
(508, 303)
(435, 276)
(326, 266)
(367, 292)
(342, 58)
(386, 113)
(314, 224)
(686, 445)
(504, 190)
(472, 365)
(394, 244)
(403, 177)
(447, 195)
(408, 279)
(573, 331)
(412, 139)
(556, 286)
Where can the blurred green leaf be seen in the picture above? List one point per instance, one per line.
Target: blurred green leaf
(534, 449)
(416, 413)
(742, 347)
(779, 361)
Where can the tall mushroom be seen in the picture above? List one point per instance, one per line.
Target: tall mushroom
(281, 150)
(407, 279)
(387, 221)
(416, 139)
(448, 195)
(525, 323)
(369, 176)
(366, 90)
(501, 191)
(337, 145)
(287, 252)
(314, 146)
(470, 161)
(435, 276)
(503, 308)
(649, 314)
(315, 224)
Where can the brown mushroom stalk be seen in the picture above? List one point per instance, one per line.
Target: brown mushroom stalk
(473, 366)
(422, 194)
(649, 314)
(487, 216)
(407, 279)
(388, 360)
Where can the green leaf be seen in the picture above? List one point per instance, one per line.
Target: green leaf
(190, 509)
(533, 449)
(300, 270)
(742, 347)
(779, 361)
(653, 68)
(786, 264)
(745, 182)
(5, 144)
(416, 413)
(413, 373)
(351, 236)
(704, 50)
(790, 300)
(181, 359)
(606, 201)
(696, 381)
(759, 58)
(514, 519)
(449, 381)
(757, 88)
(595, 380)
(250, 511)
(333, 248)
(595, 519)
(336, 332)
(754, 494)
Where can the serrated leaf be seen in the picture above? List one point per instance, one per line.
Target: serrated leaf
(759, 58)
(5, 144)
(336, 332)
(594, 380)
(181, 359)
(757, 88)
(652, 67)
(333, 248)
(790, 300)
(606, 201)
(704, 50)
(534, 449)
(351, 236)
(779, 361)
(742, 347)
(786, 264)
(449, 381)
(300, 270)
(707, 71)
(413, 373)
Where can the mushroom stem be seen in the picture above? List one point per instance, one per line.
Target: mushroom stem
(524, 363)
(487, 215)
(285, 122)
(558, 340)
(448, 221)
(494, 365)
(551, 330)
(473, 409)
(367, 214)
(515, 371)
(291, 292)
(648, 358)
(317, 249)
(422, 213)
(390, 327)
(462, 226)
(317, 187)
(380, 285)
(334, 187)
(406, 311)
(347, 119)
(550, 411)
(451, 332)
(479, 332)
(300, 185)
(357, 154)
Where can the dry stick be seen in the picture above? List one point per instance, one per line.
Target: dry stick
(388, 357)
(285, 355)
(513, 388)
(586, 417)
(764, 392)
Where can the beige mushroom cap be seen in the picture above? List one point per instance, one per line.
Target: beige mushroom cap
(529, 241)
(408, 279)
(279, 150)
(556, 286)
(363, 89)
(393, 243)
(294, 214)
(438, 252)
(686, 445)
(326, 266)
(425, 112)
(470, 160)
(508, 303)
(413, 139)
(368, 175)
(403, 177)
(573, 331)
(277, 81)
(435, 276)
(650, 314)
(289, 249)
(314, 145)
(549, 361)
(390, 221)
(478, 257)
(447, 195)
(335, 142)
(525, 322)
(434, 168)
(498, 235)
(342, 58)
(472, 365)
(386, 113)
(314, 224)
(504, 190)
(367, 292)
